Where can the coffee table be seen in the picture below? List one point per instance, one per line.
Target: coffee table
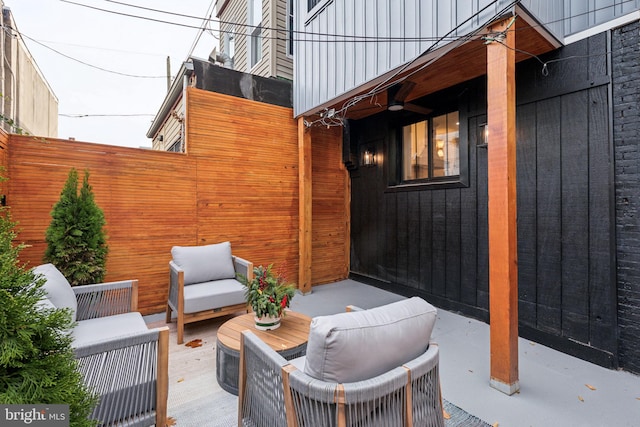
(290, 340)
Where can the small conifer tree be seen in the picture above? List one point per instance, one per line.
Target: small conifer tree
(76, 242)
(37, 365)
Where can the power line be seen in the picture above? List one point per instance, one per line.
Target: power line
(202, 28)
(83, 62)
(344, 37)
(338, 38)
(80, 116)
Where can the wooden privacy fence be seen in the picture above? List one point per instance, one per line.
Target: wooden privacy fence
(238, 182)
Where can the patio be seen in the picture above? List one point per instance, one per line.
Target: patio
(556, 389)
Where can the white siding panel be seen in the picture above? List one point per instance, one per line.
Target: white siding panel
(359, 46)
(411, 29)
(331, 53)
(443, 18)
(579, 20)
(464, 10)
(338, 65)
(349, 46)
(316, 73)
(427, 24)
(604, 10)
(548, 12)
(396, 30)
(383, 48)
(371, 32)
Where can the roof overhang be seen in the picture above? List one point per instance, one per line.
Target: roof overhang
(444, 67)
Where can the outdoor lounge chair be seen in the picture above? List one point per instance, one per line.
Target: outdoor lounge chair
(203, 285)
(121, 360)
(365, 368)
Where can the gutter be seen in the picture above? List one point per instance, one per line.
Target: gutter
(175, 92)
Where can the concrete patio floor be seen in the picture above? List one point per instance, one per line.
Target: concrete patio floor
(555, 389)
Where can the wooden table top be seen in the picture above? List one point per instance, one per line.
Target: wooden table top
(292, 333)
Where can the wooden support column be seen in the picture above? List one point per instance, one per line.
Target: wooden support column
(304, 209)
(503, 249)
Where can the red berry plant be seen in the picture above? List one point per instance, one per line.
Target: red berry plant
(268, 293)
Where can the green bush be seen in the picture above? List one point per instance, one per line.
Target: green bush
(37, 365)
(76, 242)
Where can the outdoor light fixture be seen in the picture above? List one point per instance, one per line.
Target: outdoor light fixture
(395, 105)
(368, 158)
(483, 135)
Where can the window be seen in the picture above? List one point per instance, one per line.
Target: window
(431, 148)
(290, 27)
(255, 32)
(312, 3)
(176, 147)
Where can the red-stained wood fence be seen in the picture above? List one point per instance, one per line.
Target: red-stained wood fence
(237, 182)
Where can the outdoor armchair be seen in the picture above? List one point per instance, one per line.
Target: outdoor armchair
(121, 360)
(203, 285)
(365, 368)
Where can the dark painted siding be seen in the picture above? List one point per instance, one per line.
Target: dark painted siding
(433, 242)
(626, 125)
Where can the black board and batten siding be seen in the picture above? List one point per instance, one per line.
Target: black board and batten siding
(433, 242)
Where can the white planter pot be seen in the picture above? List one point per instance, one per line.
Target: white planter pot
(267, 323)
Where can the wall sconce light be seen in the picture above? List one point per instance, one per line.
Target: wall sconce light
(368, 158)
(483, 135)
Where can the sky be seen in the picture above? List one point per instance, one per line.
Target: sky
(120, 108)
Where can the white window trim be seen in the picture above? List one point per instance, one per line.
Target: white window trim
(289, 29)
(250, 36)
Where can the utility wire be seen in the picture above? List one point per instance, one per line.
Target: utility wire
(203, 27)
(342, 37)
(80, 116)
(86, 63)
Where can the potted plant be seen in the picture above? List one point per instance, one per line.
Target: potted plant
(268, 294)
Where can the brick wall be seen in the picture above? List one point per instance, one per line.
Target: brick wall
(626, 134)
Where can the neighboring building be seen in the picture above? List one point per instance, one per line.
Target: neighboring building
(168, 127)
(28, 101)
(255, 40)
(256, 36)
(412, 87)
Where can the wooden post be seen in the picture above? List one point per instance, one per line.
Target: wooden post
(162, 382)
(503, 249)
(304, 209)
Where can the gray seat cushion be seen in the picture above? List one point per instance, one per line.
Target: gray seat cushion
(91, 331)
(355, 346)
(204, 263)
(212, 295)
(58, 289)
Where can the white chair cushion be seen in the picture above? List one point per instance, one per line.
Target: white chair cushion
(204, 263)
(355, 346)
(57, 288)
(100, 329)
(212, 295)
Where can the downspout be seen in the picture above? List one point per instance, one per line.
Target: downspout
(183, 133)
(185, 84)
